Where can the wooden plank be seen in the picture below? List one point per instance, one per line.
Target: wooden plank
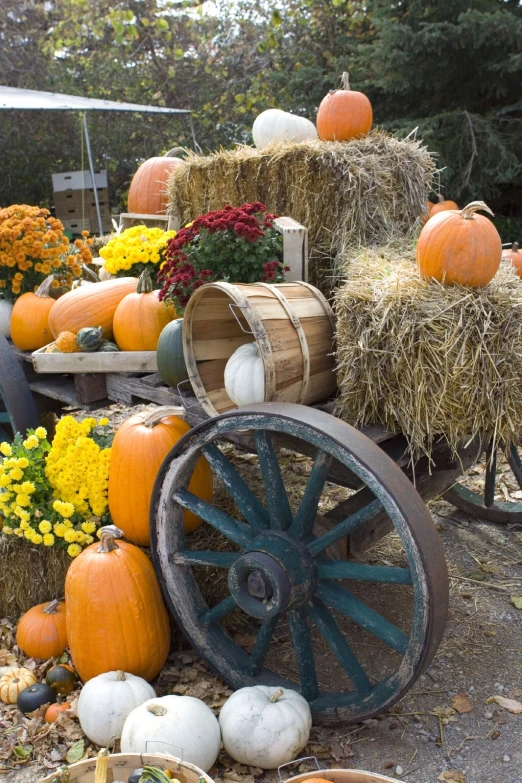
(295, 248)
(119, 361)
(122, 388)
(63, 390)
(90, 387)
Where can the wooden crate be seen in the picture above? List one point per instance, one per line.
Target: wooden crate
(119, 361)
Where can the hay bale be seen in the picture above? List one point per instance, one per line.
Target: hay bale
(426, 359)
(366, 191)
(29, 575)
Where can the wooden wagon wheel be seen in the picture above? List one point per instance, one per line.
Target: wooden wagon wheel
(17, 407)
(280, 575)
(486, 504)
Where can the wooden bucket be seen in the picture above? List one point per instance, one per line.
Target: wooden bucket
(292, 323)
(342, 776)
(122, 764)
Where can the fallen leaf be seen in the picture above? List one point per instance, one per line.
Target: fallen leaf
(22, 751)
(7, 658)
(461, 703)
(516, 600)
(508, 704)
(478, 576)
(444, 712)
(452, 776)
(75, 752)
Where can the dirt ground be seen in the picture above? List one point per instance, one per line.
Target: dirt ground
(447, 727)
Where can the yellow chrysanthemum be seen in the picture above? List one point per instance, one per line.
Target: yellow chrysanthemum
(73, 550)
(23, 500)
(40, 433)
(48, 539)
(7, 530)
(45, 526)
(28, 532)
(103, 422)
(31, 442)
(59, 529)
(24, 515)
(37, 538)
(88, 527)
(24, 525)
(4, 480)
(5, 449)
(23, 462)
(16, 474)
(18, 532)
(28, 488)
(70, 536)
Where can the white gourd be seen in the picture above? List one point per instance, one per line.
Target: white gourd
(274, 125)
(106, 701)
(265, 727)
(182, 721)
(245, 375)
(6, 308)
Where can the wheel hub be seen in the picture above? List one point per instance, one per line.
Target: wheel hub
(276, 573)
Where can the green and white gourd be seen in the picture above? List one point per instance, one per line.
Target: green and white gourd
(245, 375)
(90, 339)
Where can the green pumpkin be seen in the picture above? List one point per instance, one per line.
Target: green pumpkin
(90, 339)
(169, 354)
(107, 346)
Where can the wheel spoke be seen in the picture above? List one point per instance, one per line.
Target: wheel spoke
(234, 530)
(343, 601)
(219, 611)
(276, 497)
(264, 637)
(515, 464)
(205, 557)
(349, 525)
(304, 520)
(324, 621)
(491, 474)
(340, 569)
(304, 654)
(249, 505)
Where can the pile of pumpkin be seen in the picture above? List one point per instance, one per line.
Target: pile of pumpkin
(121, 314)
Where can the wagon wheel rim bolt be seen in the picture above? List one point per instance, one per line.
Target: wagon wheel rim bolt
(279, 569)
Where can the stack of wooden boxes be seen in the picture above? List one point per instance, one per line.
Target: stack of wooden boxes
(74, 201)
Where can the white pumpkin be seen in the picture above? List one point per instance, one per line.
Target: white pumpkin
(274, 125)
(265, 727)
(6, 308)
(106, 701)
(182, 721)
(245, 375)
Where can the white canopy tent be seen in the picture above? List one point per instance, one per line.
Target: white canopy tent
(16, 99)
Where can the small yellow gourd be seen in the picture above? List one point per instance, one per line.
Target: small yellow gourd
(13, 682)
(66, 342)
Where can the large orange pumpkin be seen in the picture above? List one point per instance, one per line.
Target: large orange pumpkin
(148, 190)
(90, 305)
(41, 632)
(514, 255)
(116, 619)
(140, 318)
(138, 450)
(344, 114)
(30, 318)
(443, 205)
(461, 248)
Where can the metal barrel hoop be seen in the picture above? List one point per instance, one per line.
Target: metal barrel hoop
(298, 761)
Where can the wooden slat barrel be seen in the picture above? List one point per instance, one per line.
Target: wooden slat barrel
(341, 776)
(293, 326)
(121, 765)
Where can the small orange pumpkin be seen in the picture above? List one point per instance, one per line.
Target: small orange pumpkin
(443, 205)
(90, 305)
(344, 114)
(140, 318)
(138, 450)
(460, 248)
(41, 632)
(120, 621)
(148, 190)
(515, 256)
(30, 328)
(53, 710)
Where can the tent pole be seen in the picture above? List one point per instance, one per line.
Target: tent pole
(91, 168)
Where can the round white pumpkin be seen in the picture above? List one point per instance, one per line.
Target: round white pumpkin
(6, 308)
(245, 375)
(182, 721)
(265, 727)
(274, 125)
(106, 701)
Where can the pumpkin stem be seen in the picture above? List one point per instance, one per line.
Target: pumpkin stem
(468, 212)
(154, 417)
(144, 283)
(276, 696)
(120, 676)
(345, 81)
(107, 536)
(514, 247)
(44, 289)
(174, 152)
(157, 710)
(52, 608)
(89, 272)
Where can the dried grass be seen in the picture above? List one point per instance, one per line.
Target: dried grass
(368, 190)
(427, 359)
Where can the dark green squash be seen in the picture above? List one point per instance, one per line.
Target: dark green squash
(169, 354)
(107, 346)
(90, 339)
(62, 679)
(33, 697)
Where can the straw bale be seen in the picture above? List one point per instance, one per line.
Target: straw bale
(427, 359)
(365, 191)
